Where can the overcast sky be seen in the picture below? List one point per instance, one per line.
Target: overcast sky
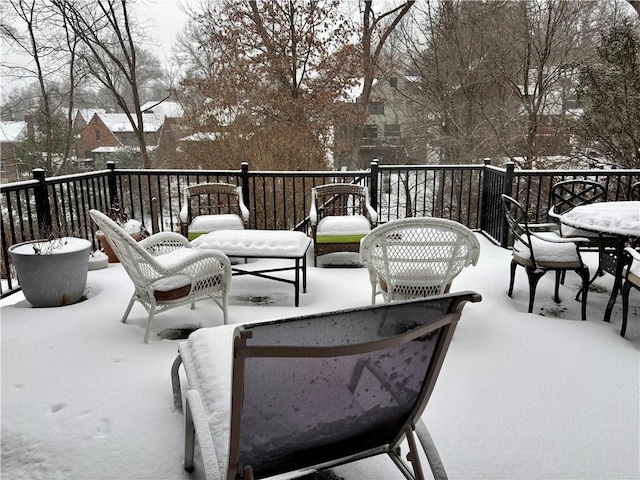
(163, 18)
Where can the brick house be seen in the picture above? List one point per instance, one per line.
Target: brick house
(12, 134)
(112, 132)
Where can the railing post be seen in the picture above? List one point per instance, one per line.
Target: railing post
(484, 196)
(111, 181)
(43, 207)
(244, 167)
(507, 190)
(373, 189)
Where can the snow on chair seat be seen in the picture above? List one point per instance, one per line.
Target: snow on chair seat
(208, 207)
(166, 271)
(417, 257)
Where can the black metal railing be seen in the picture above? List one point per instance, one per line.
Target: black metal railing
(469, 194)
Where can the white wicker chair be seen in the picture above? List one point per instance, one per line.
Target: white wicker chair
(417, 257)
(166, 271)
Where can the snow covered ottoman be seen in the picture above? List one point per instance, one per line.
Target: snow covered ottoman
(278, 244)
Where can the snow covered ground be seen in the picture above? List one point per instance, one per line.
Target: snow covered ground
(520, 395)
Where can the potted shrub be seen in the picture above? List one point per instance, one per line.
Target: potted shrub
(131, 226)
(52, 272)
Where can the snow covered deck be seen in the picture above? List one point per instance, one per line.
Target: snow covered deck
(540, 395)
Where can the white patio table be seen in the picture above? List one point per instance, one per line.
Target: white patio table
(281, 244)
(619, 219)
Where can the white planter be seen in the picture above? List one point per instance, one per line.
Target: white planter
(57, 276)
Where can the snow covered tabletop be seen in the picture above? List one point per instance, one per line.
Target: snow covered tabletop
(616, 218)
(256, 243)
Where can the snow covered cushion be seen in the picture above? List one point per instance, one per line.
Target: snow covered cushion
(342, 229)
(548, 252)
(208, 223)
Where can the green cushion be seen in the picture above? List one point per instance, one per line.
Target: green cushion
(339, 238)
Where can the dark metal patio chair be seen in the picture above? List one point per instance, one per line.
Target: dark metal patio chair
(313, 392)
(539, 252)
(567, 195)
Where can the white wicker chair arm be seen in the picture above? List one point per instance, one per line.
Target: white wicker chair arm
(195, 258)
(164, 242)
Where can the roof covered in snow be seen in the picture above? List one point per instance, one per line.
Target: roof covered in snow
(119, 122)
(13, 131)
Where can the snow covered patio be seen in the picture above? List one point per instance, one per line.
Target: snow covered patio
(520, 395)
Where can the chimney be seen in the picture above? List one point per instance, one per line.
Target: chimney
(31, 133)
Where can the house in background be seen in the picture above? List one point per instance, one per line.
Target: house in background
(387, 135)
(12, 134)
(105, 135)
(109, 133)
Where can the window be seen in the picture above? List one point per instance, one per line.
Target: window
(97, 135)
(394, 82)
(392, 130)
(370, 131)
(376, 108)
(342, 132)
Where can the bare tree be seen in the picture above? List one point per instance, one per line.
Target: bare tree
(108, 37)
(37, 42)
(376, 29)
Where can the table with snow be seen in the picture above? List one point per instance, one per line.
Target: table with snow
(263, 244)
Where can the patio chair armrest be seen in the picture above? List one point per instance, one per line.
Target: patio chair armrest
(555, 237)
(243, 208)
(373, 215)
(196, 418)
(313, 212)
(543, 227)
(633, 253)
(552, 213)
(184, 212)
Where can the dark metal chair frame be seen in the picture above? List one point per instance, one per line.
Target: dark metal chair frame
(569, 194)
(213, 199)
(631, 280)
(338, 199)
(521, 231)
(344, 385)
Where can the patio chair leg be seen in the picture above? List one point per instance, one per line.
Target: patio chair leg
(128, 310)
(534, 278)
(556, 293)
(175, 383)
(149, 323)
(584, 274)
(189, 439)
(512, 277)
(625, 307)
(429, 447)
(413, 456)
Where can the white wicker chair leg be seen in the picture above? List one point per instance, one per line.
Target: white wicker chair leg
(149, 323)
(128, 310)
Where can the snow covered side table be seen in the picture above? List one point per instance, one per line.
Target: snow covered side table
(276, 244)
(621, 219)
